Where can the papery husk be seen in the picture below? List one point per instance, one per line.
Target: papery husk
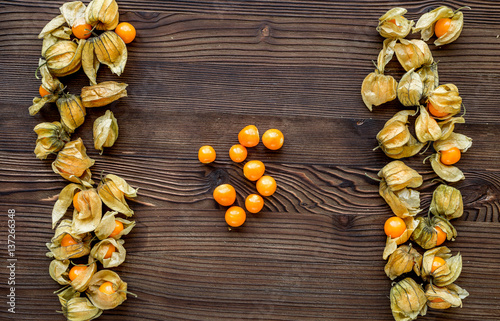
(110, 50)
(411, 148)
(80, 309)
(412, 54)
(51, 138)
(117, 257)
(426, 235)
(38, 103)
(72, 112)
(448, 173)
(426, 127)
(398, 176)
(456, 26)
(448, 126)
(65, 294)
(107, 226)
(82, 281)
(430, 78)
(72, 11)
(395, 132)
(457, 140)
(64, 57)
(427, 21)
(403, 260)
(378, 89)
(72, 163)
(105, 131)
(385, 54)
(447, 202)
(451, 296)
(107, 301)
(408, 300)
(90, 215)
(59, 252)
(58, 271)
(113, 190)
(410, 89)
(64, 201)
(61, 33)
(50, 84)
(446, 99)
(103, 93)
(391, 244)
(103, 14)
(447, 273)
(404, 203)
(400, 29)
(52, 25)
(90, 63)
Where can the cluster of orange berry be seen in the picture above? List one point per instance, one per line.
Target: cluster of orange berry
(253, 170)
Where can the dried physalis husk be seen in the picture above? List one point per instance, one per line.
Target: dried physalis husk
(410, 89)
(72, 11)
(448, 172)
(395, 132)
(447, 126)
(80, 309)
(447, 202)
(408, 300)
(398, 176)
(412, 147)
(82, 280)
(385, 54)
(427, 21)
(430, 78)
(454, 31)
(102, 14)
(107, 301)
(113, 190)
(80, 243)
(51, 84)
(103, 93)
(52, 25)
(426, 127)
(377, 89)
(51, 139)
(391, 244)
(54, 31)
(109, 224)
(64, 200)
(109, 49)
(58, 270)
(105, 131)
(413, 53)
(460, 141)
(444, 274)
(446, 297)
(402, 261)
(90, 63)
(404, 203)
(65, 294)
(72, 163)
(426, 234)
(72, 111)
(393, 25)
(88, 211)
(110, 252)
(64, 57)
(445, 100)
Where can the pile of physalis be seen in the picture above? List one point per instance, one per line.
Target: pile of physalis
(87, 243)
(437, 107)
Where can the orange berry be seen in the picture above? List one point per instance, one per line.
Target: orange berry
(206, 154)
(442, 26)
(75, 202)
(266, 185)
(437, 300)
(235, 216)
(81, 29)
(434, 112)
(394, 227)
(254, 203)
(42, 91)
(249, 136)
(238, 153)
(107, 288)
(68, 240)
(118, 228)
(450, 156)
(224, 194)
(437, 263)
(273, 139)
(441, 236)
(126, 31)
(253, 170)
(76, 271)
(111, 249)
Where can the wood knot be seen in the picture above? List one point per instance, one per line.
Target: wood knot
(218, 176)
(264, 31)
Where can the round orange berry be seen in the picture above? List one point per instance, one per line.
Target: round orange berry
(126, 31)
(273, 139)
(254, 203)
(394, 227)
(107, 288)
(224, 194)
(266, 185)
(206, 154)
(249, 136)
(238, 153)
(253, 170)
(235, 216)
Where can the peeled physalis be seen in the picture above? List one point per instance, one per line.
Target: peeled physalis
(102, 14)
(408, 300)
(446, 297)
(112, 226)
(410, 89)
(377, 89)
(110, 252)
(51, 139)
(73, 164)
(72, 111)
(449, 151)
(403, 260)
(113, 190)
(440, 267)
(392, 243)
(447, 202)
(106, 290)
(393, 25)
(103, 93)
(66, 244)
(447, 30)
(105, 131)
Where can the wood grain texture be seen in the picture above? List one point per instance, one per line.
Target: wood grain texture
(198, 72)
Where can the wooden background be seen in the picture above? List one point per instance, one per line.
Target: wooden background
(198, 72)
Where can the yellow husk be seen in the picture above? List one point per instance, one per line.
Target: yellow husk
(451, 296)
(426, 235)
(52, 25)
(59, 252)
(447, 273)
(385, 54)
(117, 257)
(113, 190)
(103, 14)
(398, 176)
(391, 244)
(447, 202)
(107, 226)
(110, 50)
(90, 63)
(410, 89)
(395, 132)
(456, 26)
(50, 84)
(400, 29)
(408, 300)
(448, 173)
(90, 215)
(430, 78)
(82, 281)
(107, 301)
(64, 200)
(378, 89)
(427, 21)
(105, 131)
(103, 93)
(51, 139)
(72, 163)
(412, 54)
(446, 99)
(80, 309)
(457, 140)
(64, 57)
(58, 271)
(447, 126)
(403, 260)
(404, 203)
(72, 111)
(412, 147)
(426, 127)
(72, 11)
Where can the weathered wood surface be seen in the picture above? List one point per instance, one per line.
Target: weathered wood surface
(197, 73)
